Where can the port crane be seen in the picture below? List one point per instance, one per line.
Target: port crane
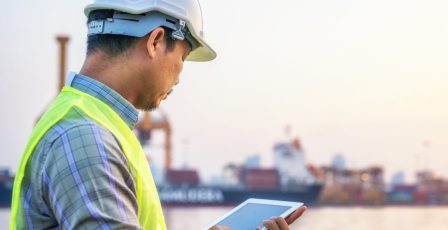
(147, 124)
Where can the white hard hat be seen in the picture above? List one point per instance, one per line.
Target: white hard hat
(187, 13)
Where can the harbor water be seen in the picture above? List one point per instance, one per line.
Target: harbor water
(322, 218)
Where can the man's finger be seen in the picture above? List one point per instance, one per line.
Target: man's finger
(295, 215)
(270, 224)
(281, 222)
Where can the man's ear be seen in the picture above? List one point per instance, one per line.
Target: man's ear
(155, 42)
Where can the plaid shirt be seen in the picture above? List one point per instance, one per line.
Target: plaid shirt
(78, 177)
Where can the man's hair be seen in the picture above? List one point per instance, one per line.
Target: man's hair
(112, 44)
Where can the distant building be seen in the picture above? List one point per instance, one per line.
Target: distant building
(339, 162)
(398, 178)
(253, 161)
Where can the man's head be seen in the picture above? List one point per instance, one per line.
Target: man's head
(154, 61)
(149, 40)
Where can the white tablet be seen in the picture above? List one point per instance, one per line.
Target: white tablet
(251, 213)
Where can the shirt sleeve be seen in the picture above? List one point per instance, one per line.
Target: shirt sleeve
(87, 182)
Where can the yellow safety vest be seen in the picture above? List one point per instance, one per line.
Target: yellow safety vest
(150, 213)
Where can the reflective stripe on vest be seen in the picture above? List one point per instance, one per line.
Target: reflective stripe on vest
(150, 213)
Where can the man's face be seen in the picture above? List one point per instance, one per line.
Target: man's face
(164, 74)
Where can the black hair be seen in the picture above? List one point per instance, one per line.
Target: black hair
(113, 44)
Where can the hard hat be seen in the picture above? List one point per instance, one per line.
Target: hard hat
(137, 18)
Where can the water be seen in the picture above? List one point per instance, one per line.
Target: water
(331, 218)
(4, 218)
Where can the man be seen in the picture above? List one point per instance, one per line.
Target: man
(83, 168)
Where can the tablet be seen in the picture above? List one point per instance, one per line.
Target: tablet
(251, 213)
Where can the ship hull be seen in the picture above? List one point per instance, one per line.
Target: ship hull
(218, 196)
(6, 193)
(209, 196)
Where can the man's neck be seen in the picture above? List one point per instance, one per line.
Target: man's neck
(111, 72)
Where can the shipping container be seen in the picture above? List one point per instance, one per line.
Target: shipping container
(183, 177)
(260, 179)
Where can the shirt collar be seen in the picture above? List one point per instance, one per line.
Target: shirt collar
(121, 106)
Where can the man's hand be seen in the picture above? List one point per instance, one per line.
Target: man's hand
(279, 223)
(276, 223)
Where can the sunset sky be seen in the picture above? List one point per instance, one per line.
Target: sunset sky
(367, 79)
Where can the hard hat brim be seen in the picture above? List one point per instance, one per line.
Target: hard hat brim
(202, 54)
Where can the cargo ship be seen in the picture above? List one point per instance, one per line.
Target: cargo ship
(288, 180)
(428, 190)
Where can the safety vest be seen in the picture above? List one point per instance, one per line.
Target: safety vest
(150, 213)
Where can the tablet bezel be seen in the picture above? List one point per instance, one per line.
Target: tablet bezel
(293, 206)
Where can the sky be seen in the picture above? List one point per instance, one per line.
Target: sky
(366, 79)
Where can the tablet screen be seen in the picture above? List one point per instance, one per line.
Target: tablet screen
(252, 215)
